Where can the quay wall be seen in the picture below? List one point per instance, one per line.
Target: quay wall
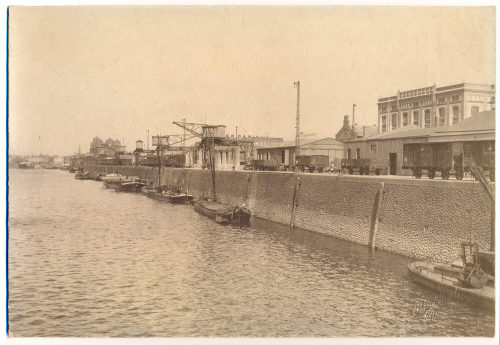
(416, 218)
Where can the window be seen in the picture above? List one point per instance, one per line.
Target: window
(474, 110)
(415, 118)
(373, 148)
(384, 124)
(358, 153)
(394, 122)
(415, 104)
(405, 119)
(348, 153)
(456, 114)
(442, 117)
(441, 100)
(455, 98)
(427, 118)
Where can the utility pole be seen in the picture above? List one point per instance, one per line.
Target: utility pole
(297, 121)
(353, 122)
(184, 135)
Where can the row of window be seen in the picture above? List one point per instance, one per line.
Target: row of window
(416, 104)
(440, 119)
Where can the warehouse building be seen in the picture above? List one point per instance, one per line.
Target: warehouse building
(385, 150)
(286, 152)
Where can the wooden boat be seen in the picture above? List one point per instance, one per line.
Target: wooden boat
(25, 165)
(83, 176)
(112, 180)
(167, 195)
(223, 213)
(465, 283)
(132, 185)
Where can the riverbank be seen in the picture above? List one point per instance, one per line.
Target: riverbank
(416, 218)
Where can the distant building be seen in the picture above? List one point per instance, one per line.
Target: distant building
(433, 106)
(348, 132)
(106, 152)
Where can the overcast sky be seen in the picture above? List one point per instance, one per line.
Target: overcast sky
(80, 72)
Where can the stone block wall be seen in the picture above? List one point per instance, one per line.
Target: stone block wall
(431, 220)
(416, 218)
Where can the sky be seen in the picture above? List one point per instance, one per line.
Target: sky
(80, 72)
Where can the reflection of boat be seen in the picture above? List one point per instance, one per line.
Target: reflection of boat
(222, 213)
(468, 282)
(162, 194)
(25, 165)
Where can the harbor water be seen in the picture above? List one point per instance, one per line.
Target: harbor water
(85, 261)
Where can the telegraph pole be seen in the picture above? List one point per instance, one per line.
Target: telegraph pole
(297, 121)
(184, 135)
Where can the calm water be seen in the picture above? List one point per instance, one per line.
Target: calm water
(88, 261)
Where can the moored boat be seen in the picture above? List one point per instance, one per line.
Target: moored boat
(130, 185)
(223, 213)
(465, 283)
(83, 175)
(25, 165)
(162, 194)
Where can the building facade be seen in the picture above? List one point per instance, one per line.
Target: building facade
(285, 154)
(432, 106)
(386, 150)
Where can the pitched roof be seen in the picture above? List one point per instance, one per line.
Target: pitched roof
(484, 121)
(481, 122)
(303, 142)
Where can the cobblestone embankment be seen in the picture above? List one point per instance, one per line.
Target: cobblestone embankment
(416, 218)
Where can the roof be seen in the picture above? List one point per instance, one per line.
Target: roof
(303, 142)
(484, 122)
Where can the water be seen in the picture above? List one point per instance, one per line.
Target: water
(89, 261)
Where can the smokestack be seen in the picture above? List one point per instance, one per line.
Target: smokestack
(353, 120)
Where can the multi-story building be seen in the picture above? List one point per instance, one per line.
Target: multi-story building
(433, 106)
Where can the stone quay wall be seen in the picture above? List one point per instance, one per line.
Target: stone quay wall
(416, 218)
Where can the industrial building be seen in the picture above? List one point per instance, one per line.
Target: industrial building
(286, 152)
(473, 136)
(432, 106)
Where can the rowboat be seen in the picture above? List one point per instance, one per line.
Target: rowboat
(465, 283)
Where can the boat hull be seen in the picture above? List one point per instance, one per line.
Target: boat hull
(130, 187)
(168, 197)
(223, 214)
(424, 274)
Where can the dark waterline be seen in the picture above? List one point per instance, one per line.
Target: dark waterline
(88, 261)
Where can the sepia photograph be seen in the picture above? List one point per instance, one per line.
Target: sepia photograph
(251, 171)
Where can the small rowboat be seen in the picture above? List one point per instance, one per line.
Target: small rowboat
(466, 283)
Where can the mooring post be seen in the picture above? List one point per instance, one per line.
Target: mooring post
(376, 216)
(295, 202)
